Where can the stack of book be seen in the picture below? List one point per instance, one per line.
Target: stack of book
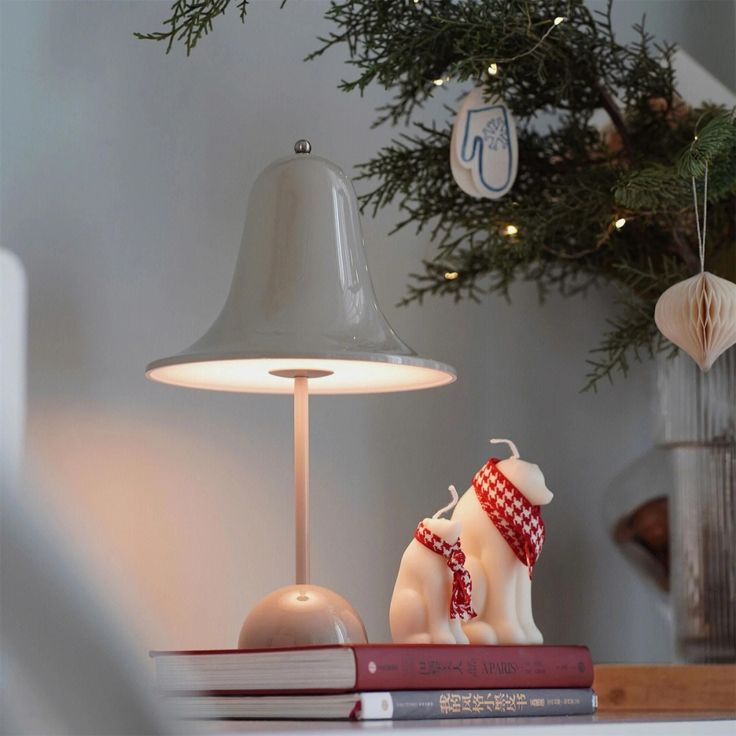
(377, 681)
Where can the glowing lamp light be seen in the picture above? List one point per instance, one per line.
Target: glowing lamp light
(493, 69)
(451, 275)
(559, 19)
(301, 317)
(511, 230)
(619, 223)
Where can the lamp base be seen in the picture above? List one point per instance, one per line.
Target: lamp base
(301, 615)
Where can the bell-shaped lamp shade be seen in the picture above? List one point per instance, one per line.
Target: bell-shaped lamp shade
(301, 300)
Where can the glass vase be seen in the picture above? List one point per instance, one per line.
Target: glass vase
(697, 430)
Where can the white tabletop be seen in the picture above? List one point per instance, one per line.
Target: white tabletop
(602, 724)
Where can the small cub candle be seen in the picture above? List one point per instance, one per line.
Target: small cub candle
(503, 535)
(432, 594)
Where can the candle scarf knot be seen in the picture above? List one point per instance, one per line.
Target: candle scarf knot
(460, 605)
(519, 522)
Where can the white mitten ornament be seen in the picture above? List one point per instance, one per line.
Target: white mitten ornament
(484, 152)
(503, 533)
(431, 597)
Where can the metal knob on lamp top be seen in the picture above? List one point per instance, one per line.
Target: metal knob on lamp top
(301, 298)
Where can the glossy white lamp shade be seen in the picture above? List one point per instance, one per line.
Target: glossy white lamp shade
(301, 317)
(301, 299)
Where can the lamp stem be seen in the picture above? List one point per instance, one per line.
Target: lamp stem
(301, 477)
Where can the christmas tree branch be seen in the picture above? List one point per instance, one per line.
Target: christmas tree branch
(616, 116)
(191, 20)
(589, 206)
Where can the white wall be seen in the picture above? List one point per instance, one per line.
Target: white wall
(125, 175)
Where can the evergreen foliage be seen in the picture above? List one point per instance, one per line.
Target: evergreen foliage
(574, 181)
(191, 20)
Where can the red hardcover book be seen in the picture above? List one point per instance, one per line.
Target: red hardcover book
(367, 667)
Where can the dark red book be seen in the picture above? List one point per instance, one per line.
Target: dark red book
(368, 667)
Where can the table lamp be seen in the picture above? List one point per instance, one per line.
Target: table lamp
(301, 317)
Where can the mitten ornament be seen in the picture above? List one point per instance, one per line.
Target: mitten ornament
(484, 151)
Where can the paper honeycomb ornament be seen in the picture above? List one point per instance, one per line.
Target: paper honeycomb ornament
(699, 316)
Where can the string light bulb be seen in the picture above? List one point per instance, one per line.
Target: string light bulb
(451, 275)
(620, 222)
(559, 19)
(511, 230)
(493, 69)
(440, 81)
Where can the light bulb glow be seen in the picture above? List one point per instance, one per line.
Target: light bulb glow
(620, 223)
(345, 376)
(559, 19)
(438, 82)
(493, 69)
(451, 275)
(511, 230)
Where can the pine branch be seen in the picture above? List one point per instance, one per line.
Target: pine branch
(633, 334)
(191, 20)
(716, 140)
(610, 106)
(574, 181)
(652, 189)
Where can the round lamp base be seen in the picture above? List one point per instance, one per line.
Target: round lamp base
(301, 615)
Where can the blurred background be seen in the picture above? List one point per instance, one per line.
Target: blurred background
(125, 175)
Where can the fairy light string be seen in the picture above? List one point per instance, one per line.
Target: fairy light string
(492, 68)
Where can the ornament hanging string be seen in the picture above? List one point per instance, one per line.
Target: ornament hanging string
(701, 233)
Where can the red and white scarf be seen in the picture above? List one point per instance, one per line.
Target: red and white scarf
(519, 522)
(460, 606)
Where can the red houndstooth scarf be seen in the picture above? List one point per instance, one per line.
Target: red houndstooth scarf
(460, 606)
(519, 522)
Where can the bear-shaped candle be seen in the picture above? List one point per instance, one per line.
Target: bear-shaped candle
(432, 594)
(503, 533)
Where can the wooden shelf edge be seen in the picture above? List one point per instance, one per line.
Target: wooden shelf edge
(670, 688)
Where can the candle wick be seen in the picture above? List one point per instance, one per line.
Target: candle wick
(451, 505)
(509, 443)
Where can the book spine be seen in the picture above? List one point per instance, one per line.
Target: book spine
(472, 668)
(419, 704)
